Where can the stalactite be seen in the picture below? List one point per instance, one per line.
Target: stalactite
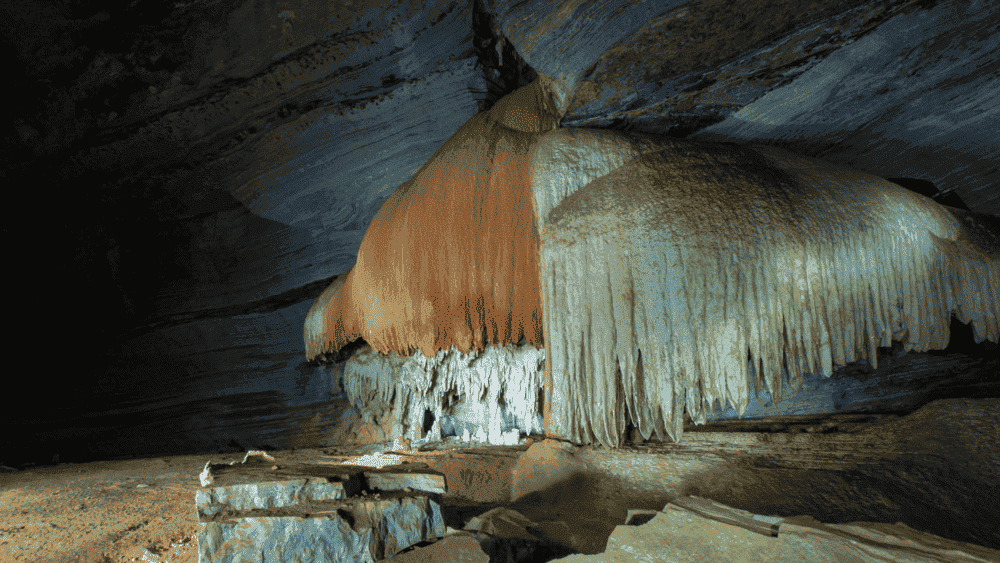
(661, 275)
(729, 251)
(450, 259)
(380, 385)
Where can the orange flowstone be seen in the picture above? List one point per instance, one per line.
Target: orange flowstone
(451, 258)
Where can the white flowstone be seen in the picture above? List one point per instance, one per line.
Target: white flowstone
(380, 384)
(665, 264)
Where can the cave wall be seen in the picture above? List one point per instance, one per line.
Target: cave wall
(196, 173)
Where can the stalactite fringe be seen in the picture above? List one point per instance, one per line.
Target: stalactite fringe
(380, 385)
(692, 257)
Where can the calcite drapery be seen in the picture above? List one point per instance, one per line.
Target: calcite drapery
(451, 257)
(675, 274)
(658, 273)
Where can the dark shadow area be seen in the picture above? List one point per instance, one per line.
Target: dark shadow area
(500, 64)
(928, 189)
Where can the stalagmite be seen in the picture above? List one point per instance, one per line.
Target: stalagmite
(661, 275)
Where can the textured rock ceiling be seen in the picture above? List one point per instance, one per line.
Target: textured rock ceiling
(194, 174)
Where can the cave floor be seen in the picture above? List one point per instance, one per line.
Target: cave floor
(143, 509)
(934, 477)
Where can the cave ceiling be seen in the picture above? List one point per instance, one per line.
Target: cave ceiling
(196, 173)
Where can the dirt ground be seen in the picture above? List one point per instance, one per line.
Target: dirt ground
(103, 512)
(144, 510)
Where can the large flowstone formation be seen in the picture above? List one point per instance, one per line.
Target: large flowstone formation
(665, 271)
(598, 239)
(664, 275)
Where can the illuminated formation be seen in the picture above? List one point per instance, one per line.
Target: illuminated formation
(659, 275)
(451, 258)
(491, 395)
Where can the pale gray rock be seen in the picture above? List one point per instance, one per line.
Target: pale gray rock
(406, 389)
(252, 510)
(930, 469)
(210, 502)
(684, 532)
(917, 101)
(365, 532)
(426, 482)
(291, 539)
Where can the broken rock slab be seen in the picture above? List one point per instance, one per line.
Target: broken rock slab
(500, 535)
(261, 510)
(457, 548)
(544, 463)
(691, 529)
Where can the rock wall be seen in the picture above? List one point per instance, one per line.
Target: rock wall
(192, 180)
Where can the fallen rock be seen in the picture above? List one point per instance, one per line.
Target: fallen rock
(459, 548)
(260, 510)
(508, 536)
(351, 530)
(502, 522)
(543, 464)
(691, 529)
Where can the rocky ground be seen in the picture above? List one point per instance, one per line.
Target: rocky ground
(933, 470)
